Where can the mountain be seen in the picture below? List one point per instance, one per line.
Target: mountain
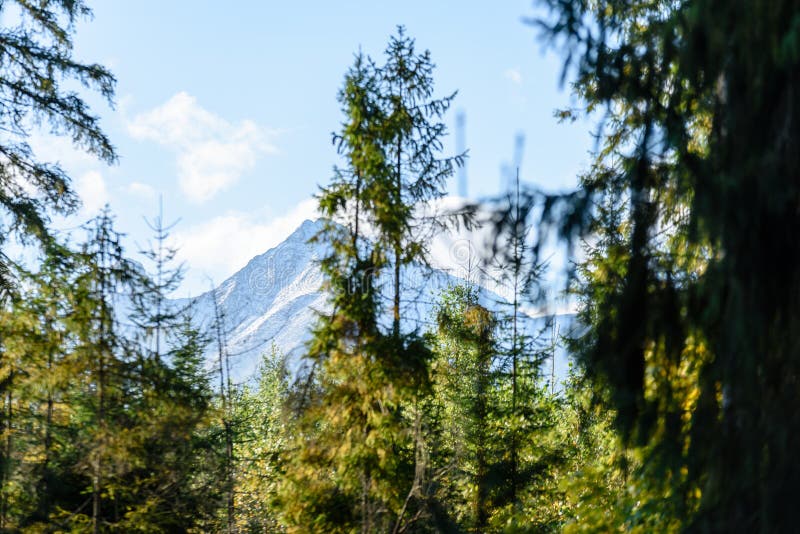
(275, 300)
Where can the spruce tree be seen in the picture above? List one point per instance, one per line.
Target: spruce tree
(36, 67)
(343, 475)
(152, 314)
(465, 395)
(36, 70)
(175, 415)
(692, 296)
(521, 365)
(411, 135)
(98, 435)
(356, 466)
(138, 426)
(177, 480)
(44, 342)
(106, 372)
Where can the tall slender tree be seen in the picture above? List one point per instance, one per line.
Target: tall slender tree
(464, 388)
(97, 434)
(226, 400)
(525, 356)
(104, 273)
(35, 61)
(152, 314)
(411, 136)
(47, 373)
(354, 467)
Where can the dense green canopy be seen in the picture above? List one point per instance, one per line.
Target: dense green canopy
(691, 287)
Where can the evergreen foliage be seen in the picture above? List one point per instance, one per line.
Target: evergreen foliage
(691, 289)
(36, 69)
(96, 436)
(357, 463)
(463, 378)
(497, 465)
(679, 411)
(411, 135)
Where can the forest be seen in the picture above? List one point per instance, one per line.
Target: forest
(681, 408)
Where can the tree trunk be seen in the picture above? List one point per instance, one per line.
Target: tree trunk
(398, 243)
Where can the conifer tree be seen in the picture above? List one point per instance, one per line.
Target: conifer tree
(65, 358)
(356, 462)
(178, 477)
(44, 344)
(136, 432)
(36, 347)
(465, 394)
(15, 328)
(691, 297)
(36, 70)
(411, 135)
(176, 412)
(152, 315)
(523, 356)
(107, 367)
(148, 460)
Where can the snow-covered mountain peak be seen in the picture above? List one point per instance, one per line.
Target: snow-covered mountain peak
(294, 247)
(276, 298)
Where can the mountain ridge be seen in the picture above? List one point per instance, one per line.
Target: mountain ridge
(275, 300)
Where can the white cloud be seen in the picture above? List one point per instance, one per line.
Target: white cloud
(211, 152)
(513, 75)
(141, 190)
(220, 247)
(91, 188)
(60, 149)
(88, 180)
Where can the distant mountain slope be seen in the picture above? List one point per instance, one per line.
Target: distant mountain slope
(272, 300)
(276, 298)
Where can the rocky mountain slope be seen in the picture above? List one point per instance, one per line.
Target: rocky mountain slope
(275, 299)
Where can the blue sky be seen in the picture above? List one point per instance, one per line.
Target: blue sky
(226, 109)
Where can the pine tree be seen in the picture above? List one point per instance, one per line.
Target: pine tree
(93, 422)
(179, 477)
(138, 426)
(464, 393)
(35, 63)
(107, 365)
(356, 465)
(692, 295)
(175, 415)
(46, 376)
(411, 135)
(152, 315)
(36, 344)
(36, 68)
(521, 366)
(68, 373)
